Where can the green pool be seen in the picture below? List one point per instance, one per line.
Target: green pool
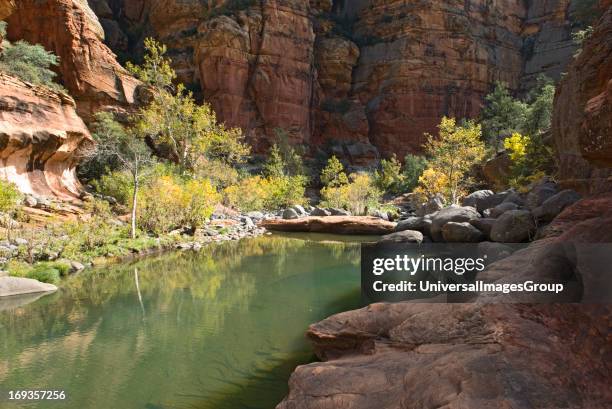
(223, 328)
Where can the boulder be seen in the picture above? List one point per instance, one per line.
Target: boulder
(30, 201)
(299, 210)
(247, 221)
(431, 206)
(484, 225)
(405, 236)
(514, 226)
(539, 193)
(320, 212)
(10, 286)
(411, 223)
(484, 199)
(75, 266)
(451, 214)
(290, 214)
(358, 225)
(255, 216)
(464, 232)
(555, 205)
(514, 197)
(339, 212)
(381, 215)
(502, 208)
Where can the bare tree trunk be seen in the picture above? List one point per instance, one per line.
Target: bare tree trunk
(134, 204)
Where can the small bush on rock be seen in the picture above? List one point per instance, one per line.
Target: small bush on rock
(359, 196)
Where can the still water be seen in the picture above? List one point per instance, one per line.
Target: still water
(223, 328)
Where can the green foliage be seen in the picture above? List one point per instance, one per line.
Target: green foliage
(413, 168)
(10, 197)
(156, 70)
(30, 62)
(360, 195)
(118, 184)
(502, 115)
(46, 272)
(540, 108)
(390, 178)
(453, 154)
(267, 193)
(284, 159)
(531, 159)
(333, 174)
(168, 202)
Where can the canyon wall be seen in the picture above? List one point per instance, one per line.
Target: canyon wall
(69, 28)
(41, 137)
(582, 120)
(357, 78)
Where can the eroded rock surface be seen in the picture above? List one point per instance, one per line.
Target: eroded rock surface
(582, 119)
(88, 68)
(41, 136)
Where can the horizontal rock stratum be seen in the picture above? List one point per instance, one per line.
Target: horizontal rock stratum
(359, 225)
(41, 136)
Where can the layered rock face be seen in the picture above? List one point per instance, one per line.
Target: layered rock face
(358, 78)
(41, 136)
(70, 29)
(582, 120)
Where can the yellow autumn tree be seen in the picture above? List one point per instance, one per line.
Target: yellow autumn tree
(452, 154)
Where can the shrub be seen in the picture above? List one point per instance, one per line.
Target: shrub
(47, 272)
(31, 63)
(360, 196)
(531, 159)
(266, 193)
(10, 197)
(390, 178)
(413, 168)
(502, 115)
(169, 202)
(333, 174)
(118, 184)
(431, 183)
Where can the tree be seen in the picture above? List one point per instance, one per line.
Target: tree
(502, 115)
(333, 174)
(10, 199)
(390, 178)
(127, 146)
(413, 168)
(156, 70)
(540, 108)
(30, 62)
(453, 154)
(184, 131)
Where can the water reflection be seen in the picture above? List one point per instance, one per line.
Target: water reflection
(222, 328)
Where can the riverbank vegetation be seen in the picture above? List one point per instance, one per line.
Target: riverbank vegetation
(170, 165)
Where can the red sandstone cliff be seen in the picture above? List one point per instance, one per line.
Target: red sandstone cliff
(356, 77)
(40, 138)
(88, 68)
(582, 121)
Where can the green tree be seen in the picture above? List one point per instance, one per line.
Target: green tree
(502, 116)
(414, 166)
(128, 147)
(333, 174)
(540, 108)
(389, 178)
(156, 70)
(30, 62)
(453, 154)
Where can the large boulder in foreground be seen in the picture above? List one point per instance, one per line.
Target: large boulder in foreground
(360, 225)
(10, 286)
(41, 137)
(451, 214)
(404, 236)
